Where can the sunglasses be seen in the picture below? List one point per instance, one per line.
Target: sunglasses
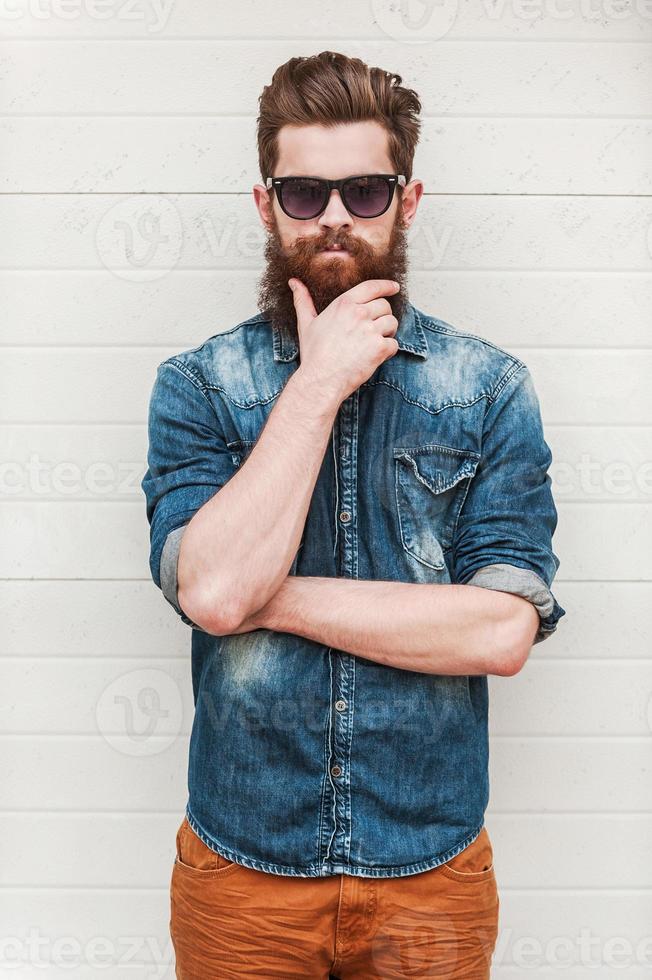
(365, 196)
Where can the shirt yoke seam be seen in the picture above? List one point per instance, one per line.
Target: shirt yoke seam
(513, 370)
(195, 379)
(515, 365)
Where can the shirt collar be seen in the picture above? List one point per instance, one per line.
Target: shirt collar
(409, 336)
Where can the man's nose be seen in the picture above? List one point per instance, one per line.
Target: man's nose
(335, 214)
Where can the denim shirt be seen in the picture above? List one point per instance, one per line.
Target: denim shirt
(307, 760)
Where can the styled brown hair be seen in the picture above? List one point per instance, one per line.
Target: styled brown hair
(330, 88)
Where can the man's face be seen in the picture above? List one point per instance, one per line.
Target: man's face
(365, 248)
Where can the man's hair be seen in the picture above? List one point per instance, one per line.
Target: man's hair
(330, 88)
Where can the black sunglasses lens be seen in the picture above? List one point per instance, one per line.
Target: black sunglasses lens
(303, 197)
(367, 197)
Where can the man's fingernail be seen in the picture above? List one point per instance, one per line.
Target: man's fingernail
(291, 284)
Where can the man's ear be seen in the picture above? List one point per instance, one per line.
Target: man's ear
(410, 198)
(264, 205)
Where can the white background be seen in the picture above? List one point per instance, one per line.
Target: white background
(128, 234)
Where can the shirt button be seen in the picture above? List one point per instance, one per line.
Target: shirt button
(340, 705)
(345, 516)
(336, 771)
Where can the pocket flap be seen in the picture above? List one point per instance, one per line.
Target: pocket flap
(438, 467)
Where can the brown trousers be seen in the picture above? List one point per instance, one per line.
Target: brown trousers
(230, 921)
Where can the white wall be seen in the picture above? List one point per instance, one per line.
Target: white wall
(535, 232)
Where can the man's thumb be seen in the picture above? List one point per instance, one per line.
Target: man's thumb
(303, 303)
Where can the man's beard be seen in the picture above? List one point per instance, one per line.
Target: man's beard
(327, 278)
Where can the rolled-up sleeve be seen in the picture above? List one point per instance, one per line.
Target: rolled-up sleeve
(503, 537)
(188, 461)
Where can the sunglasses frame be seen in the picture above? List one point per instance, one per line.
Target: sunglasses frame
(394, 181)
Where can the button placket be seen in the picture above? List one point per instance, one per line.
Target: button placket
(344, 663)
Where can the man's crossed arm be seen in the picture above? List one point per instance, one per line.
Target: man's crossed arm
(435, 629)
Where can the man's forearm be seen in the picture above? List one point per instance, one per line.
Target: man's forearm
(238, 547)
(434, 629)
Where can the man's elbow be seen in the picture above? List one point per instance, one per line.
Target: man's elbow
(215, 614)
(517, 634)
(205, 599)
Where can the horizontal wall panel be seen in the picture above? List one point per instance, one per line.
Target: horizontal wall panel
(100, 697)
(473, 78)
(323, 21)
(550, 698)
(105, 385)
(122, 934)
(89, 773)
(74, 462)
(204, 231)
(572, 775)
(50, 618)
(75, 541)
(560, 378)
(592, 463)
(77, 385)
(534, 929)
(106, 462)
(100, 851)
(202, 154)
(183, 308)
(59, 696)
(530, 851)
(606, 620)
(89, 619)
(95, 540)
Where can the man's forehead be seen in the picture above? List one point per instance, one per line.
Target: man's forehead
(333, 151)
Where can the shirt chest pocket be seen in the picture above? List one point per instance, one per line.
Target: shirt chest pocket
(431, 483)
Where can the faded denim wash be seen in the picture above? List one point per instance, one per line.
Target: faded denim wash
(307, 760)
